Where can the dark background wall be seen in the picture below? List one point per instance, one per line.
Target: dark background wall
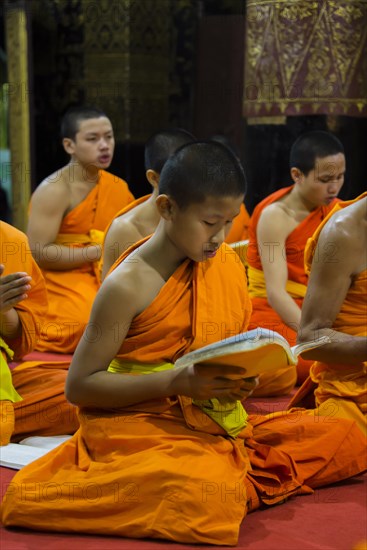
(169, 63)
(263, 148)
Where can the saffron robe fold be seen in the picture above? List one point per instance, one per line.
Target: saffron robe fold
(239, 229)
(16, 256)
(263, 315)
(44, 410)
(71, 293)
(340, 389)
(163, 468)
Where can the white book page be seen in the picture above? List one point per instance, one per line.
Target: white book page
(17, 455)
(306, 346)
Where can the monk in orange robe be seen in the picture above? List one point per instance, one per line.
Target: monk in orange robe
(164, 452)
(140, 218)
(69, 212)
(279, 228)
(336, 258)
(23, 305)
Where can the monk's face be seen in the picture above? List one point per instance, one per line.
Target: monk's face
(198, 230)
(323, 183)
(94, 143)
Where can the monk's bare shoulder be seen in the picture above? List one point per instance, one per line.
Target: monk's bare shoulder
(276, 221)
(54, 189)
(345, 236)
(133, 283)
(124, 231)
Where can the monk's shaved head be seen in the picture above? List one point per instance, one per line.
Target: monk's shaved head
(313, 145)
(74, 116)
(162, 145)
(202, 169)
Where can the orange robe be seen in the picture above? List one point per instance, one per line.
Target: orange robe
(263, 315)
(163, 468)
(239, 229)
(340, 389)
(44, 409)
(71, 293)
(16, 256)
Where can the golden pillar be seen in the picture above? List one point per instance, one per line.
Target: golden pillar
(19, 118)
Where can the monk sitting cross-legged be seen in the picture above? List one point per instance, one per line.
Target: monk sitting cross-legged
(163, 452)
(279, 228)
(69, 211)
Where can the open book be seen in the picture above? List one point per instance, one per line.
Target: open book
(17, 455)
(257, 351)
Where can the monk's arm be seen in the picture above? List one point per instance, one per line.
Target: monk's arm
(89, 384)
(329, 282)
(49, 204)
(119, 237)
(271, 237)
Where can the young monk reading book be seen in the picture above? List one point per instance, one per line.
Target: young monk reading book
(166, 452)
(23, 305)
(279, 228)
(140, 218)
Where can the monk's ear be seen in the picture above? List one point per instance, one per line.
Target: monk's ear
(68, 145)
(153, 178)
(296, 174)
(166, 206)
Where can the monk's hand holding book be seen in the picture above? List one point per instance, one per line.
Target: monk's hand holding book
(223, 382)
(249, 385)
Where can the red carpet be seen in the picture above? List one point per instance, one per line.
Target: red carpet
(333, 518)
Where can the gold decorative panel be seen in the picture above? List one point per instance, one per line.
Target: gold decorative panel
(126, 62)
(305, 57)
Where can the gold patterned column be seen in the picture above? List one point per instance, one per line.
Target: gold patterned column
(305, 57)
(126, 63)
(19, 118)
